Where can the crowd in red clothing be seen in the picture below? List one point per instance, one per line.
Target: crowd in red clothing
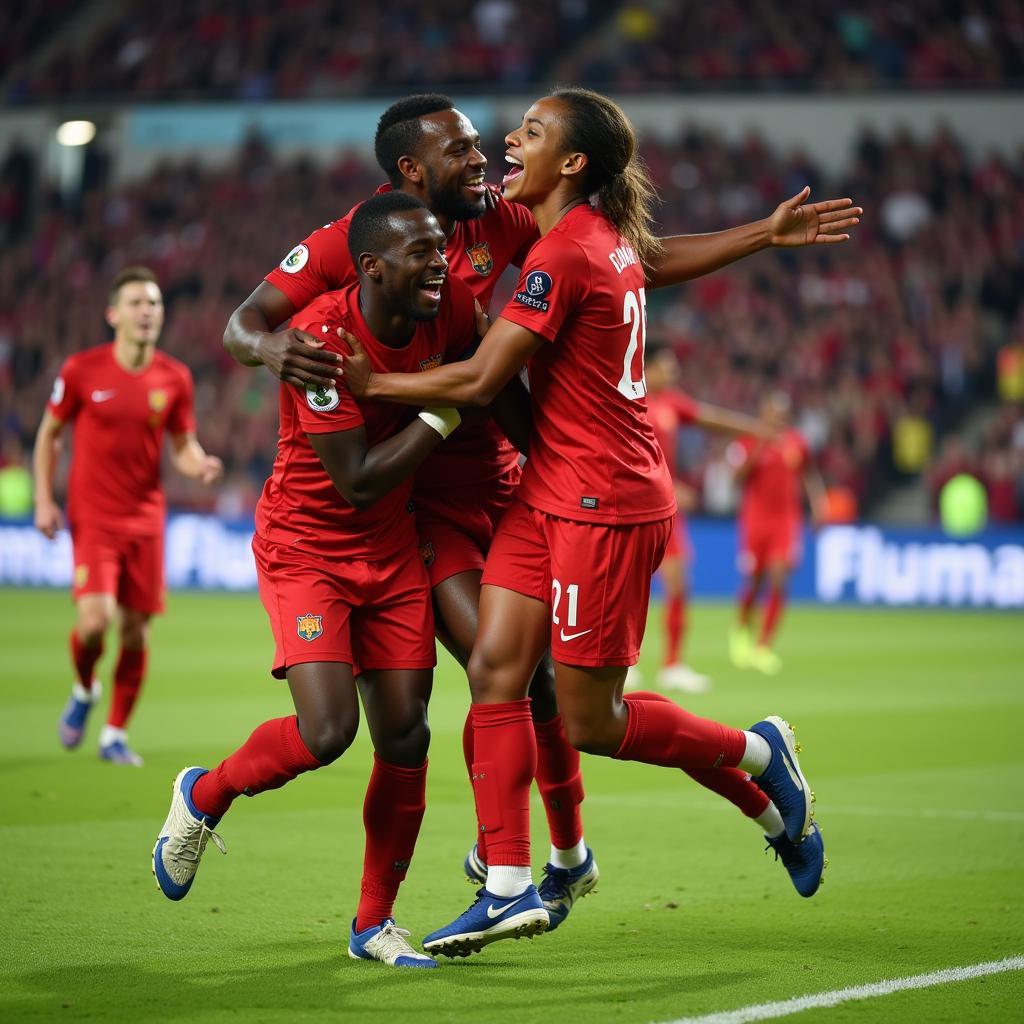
(903, 325)
(311, 48)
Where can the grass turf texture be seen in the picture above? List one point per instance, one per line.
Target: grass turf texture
(911, 724)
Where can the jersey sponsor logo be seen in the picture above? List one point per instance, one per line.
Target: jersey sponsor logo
(103, 396)
(427, 554)
(295, 260)
(309, 626)
(322, 399)
(158, 399)
(480, 258)
(57, 394)
(431, 361)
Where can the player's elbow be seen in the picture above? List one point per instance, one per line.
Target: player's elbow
(359, 496)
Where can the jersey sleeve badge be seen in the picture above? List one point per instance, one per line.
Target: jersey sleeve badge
(295, 260)
(309, 626)
(537, 287)
(321, 398)
(480, 258)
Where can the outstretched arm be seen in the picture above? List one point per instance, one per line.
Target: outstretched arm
(364, 475)
(725, 421)
(292, 355)
(792, 224)
(474, 381)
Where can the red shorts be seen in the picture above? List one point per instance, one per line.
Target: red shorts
(129, 567)
(768, 543)
(679, 544)
(370, 615)
(456, 528)
(595, 578)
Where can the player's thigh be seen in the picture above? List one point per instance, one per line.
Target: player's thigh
(326, 705)
(590, 703)
(140, 585)
(457, 612)
(395, 702)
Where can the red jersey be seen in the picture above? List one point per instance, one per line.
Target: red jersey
(668, 411)
(593, 453)
(478, 252)
(120, 417)
(772, 489)
(300, 506)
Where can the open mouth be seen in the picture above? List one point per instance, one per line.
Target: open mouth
(432, 286)
(475, 184)
(515, 169)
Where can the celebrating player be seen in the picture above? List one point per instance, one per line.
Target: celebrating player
(342, 580)
(770, 473)
(430, 150)
(122, 398)
(572, 559)
(668, 409)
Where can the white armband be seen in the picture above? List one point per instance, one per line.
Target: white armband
(444, 421)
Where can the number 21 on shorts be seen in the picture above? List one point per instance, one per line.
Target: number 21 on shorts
(572, 600)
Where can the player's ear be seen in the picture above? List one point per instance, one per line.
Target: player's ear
(410, 169)
(110, 315)
(369, 265)
(574, 164)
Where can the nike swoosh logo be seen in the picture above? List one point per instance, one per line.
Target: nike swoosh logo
(492, 913)
(792, 771)
(102, 396)
(574, 636)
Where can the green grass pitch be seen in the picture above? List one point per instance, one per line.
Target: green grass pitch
(911, 725)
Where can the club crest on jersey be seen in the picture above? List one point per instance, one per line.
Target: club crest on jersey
(538, 285)
(309, 626)
(158, 399)
(427, 554)
(295, 260)
(480, 257)
(322, 399)
(431, 361)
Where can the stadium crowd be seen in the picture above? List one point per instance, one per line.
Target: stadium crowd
(310, 48)
(885, 345)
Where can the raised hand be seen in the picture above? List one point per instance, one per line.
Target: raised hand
(298, 358)
(355, 368)
(794, 223)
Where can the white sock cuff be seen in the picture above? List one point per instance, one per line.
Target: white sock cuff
(89, 696)
(508, 879)
(571, 858)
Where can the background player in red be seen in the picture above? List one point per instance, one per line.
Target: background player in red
(122, 398)
(572, 560)
(430, 150)
(669, 409)
(771, 474)
(341, 580)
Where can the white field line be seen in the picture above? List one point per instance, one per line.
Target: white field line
(769, 1011)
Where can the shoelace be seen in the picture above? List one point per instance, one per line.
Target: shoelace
(190, 851)
(555, 885)
(392, 941)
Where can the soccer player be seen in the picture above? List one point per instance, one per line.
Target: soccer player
(668, 409)
(770, 473)
(430, 150)
(122, 398)
(572, 559)
(340, 574)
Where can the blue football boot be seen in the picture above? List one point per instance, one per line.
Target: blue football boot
(474, 868)
(562, 887)
(805, 861)
(489, 919)
(387, 943)
(782, 780)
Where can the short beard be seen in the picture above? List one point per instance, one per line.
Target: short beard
(453, 205)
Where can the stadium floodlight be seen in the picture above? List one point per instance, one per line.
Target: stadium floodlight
(76, 133)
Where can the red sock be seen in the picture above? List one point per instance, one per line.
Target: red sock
(392, 812)
(560, 783)
(131, 667)
(675, 624)
(273, 755)
(661, 732)
(501, 784)
(772, 614)
(747, 598)
(467, 753)
(84, 659)
(733, 784)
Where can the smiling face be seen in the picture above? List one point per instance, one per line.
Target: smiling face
(536, 154)
(453, 166)
(411, 268)
(137, 313)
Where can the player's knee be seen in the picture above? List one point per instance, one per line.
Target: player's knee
(489, 677)
(92, 625)
(591, 734)
(543, 704)
(135, 633)
(407, 746)
(328, 739)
